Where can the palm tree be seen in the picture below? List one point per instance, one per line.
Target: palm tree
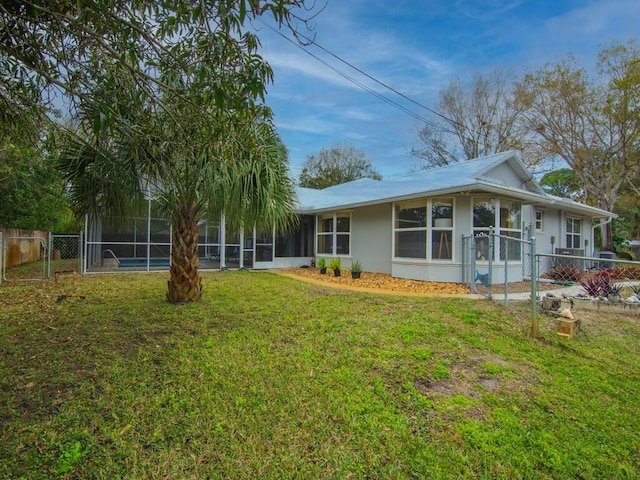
(236, 164)
(179, 115)
(163, 97)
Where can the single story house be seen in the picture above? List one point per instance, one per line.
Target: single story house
(411, 226)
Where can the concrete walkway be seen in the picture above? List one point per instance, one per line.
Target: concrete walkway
(569, 291)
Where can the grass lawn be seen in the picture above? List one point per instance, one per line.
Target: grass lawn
(273, 378)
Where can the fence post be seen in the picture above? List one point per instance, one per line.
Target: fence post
(49, 254)
(1, 257)
(534, 293)
(81, 269)
(490, 245)
(506, 271)
(464, 258)
(473, 253)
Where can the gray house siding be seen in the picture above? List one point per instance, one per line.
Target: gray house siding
(372, 234)
(371, 237)
(504, 174)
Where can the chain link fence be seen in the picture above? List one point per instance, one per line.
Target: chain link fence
(65, 254)
(498, 266)
(24, 258)
(593, 277)
(37, 257)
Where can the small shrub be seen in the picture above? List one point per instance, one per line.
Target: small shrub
(356, 266)
(565, 274)
(600, 284)
(629, 272)
(613, 273)
(335, 264)
(322, 263)
(592, 286)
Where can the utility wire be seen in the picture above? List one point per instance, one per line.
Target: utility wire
(313, 42)
(356, 82)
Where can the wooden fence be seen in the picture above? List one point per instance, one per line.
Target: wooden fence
(19, 250)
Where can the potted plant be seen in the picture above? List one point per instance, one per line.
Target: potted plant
(334, 264)
(356, 269)
(322, 265)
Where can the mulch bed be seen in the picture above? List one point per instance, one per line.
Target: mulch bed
(379, 282)
(386, 283)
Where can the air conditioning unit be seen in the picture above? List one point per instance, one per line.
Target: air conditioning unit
(578, 263)
(606, 255)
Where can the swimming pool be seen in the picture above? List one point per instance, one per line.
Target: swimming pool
(142, 262)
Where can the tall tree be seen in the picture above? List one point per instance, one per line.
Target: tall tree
(54, 49)
(563, 183)
(236, 166)
(592, 124)
(481, 119)
(32, 193)
(335, 165)
(164, 96)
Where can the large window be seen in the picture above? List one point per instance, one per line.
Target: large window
(411, 231)
(297, 242)
(574, 232)
(510, 230)
(506, 215)
(334, 234)
(442, 228)
(424, 229)
(484, 217)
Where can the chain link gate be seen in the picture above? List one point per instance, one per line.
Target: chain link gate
(493, 264)
(24, 258)
(65, 254)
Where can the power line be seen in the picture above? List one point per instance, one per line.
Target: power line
(356, 82)
(337, 57)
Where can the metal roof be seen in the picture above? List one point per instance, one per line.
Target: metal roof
(469, 177)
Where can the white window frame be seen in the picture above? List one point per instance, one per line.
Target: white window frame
(428, 228)
(570, 232)
(498, 257)
(516, 233)
(403, 206)
(433, 230)
(539, 220)
(333, 233)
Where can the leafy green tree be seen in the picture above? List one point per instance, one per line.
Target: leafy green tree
(32, 192)
(592, 124)
(335, 165)
(563, 183)
(165, 97)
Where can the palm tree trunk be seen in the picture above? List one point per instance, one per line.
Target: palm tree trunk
(185, 284)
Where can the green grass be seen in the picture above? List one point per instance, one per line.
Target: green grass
(269, 378)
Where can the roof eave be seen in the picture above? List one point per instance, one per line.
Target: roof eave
(483, 187)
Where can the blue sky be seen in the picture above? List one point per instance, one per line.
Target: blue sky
(418, 47)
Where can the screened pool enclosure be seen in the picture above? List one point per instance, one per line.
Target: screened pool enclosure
(144, 244)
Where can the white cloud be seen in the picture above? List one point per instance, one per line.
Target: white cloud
(417, 48)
